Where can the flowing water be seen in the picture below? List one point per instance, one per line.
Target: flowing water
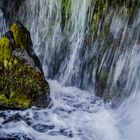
(3, 26)
(71, 69)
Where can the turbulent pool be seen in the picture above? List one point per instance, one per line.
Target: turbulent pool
(75, 114)
(87, 48)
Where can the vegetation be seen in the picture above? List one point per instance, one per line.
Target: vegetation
(22, 85)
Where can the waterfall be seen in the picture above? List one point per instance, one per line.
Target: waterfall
(62, 37)
(87, 48)
(57, 48)
(3, 27)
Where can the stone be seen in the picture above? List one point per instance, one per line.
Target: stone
(22, 81)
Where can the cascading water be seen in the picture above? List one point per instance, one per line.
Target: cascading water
(81, 49)
(2, 24)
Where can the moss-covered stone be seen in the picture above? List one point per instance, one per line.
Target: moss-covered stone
(22, 83)
(21, 36)
(65, 12)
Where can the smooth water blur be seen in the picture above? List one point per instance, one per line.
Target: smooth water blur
(3, 26)
(128, 113)
(57, 48)
(76, 113)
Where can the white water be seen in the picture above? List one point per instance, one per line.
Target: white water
(3, 26)
(76, 114)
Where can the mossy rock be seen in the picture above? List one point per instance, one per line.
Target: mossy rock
(22, 82)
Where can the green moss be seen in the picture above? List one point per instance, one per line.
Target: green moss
(6, 57)
(15, 100)
(20, 83)
(103, 13)
(65, 12)
(5, 48)
(21, 36)
(105, 8)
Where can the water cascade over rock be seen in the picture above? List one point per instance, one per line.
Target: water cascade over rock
(81, 43)
(89, 49)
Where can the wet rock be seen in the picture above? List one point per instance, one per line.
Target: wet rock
(22, 82)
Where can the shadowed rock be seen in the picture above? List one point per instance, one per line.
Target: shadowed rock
(22, 82)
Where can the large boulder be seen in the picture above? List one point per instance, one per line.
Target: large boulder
(22, 82)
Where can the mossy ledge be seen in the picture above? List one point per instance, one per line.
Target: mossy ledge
(22, 82)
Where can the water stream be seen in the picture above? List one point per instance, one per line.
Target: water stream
(70, 67)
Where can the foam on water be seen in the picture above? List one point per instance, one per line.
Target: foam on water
(75, 115)
(128, 116)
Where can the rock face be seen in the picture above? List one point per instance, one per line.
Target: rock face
(22, 82)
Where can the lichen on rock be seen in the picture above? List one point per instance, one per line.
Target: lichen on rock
(21, 36)
(22, 82)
